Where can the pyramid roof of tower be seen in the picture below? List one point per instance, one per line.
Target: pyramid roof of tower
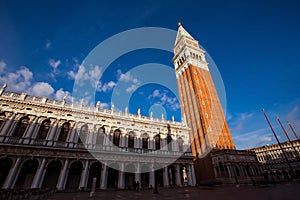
(182, 32)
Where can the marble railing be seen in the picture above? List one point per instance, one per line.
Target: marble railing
(95, 148)
(81, 106)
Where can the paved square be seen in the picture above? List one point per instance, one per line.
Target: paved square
(244, 192)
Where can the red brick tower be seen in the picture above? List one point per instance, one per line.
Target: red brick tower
(199, 101)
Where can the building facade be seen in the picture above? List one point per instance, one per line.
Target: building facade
(236, 166)
(199, 103)
(274, 163)
(47, 143)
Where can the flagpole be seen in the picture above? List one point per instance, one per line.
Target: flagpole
(283, 152)
(293, 130)
(286, 134)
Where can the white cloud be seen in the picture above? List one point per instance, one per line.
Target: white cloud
(129, 78)
(22, 81)
(228, 116)
(245, 115)
(19, 81)
(106, 87)
(2, 66)
(104, 105)
(255, 138)
(162, 98)
(131, 88)
(48, 45)
(54, 64)
(125, 77)
(155, 93)
(60, 94)
(42, 89)
(292, 115)
(82, 75)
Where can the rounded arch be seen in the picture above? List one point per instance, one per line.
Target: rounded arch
(145, 140)
(64, 132)
(53, 169)
(100, 136)
(95, 172)
(44, 129)
(74, 175)
(21, 127)
(131, 136)
(27, 172)
(145, 176)
(116, 137)
(157, 141)
(129, 175)
(113, 176)
(5, 165)
(83, 134)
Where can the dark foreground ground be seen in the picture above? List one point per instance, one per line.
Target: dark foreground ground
(230, 192)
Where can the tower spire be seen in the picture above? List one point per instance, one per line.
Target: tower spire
(182, 33)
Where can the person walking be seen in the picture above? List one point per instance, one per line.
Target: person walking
(134, 186)
(137, 186)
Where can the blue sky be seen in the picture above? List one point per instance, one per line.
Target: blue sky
(255, 45)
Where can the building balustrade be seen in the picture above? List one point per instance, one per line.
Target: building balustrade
(98, 148)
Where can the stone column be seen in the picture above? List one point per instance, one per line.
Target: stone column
(121, 177)
(51, 136)
(126, 141)
(152, 176)
(122, 140)
(135, 142)
(175, 145)
(228, 171)
(104, 175)
(63, 176)
(193, 175)
(7, 125)
(84, 175)
(30, 130)
(177, 176)
(89, 140)
(72, 137)
(38, 174)
(190, 179)
(166, 177)
(12, 175)
(137, 175)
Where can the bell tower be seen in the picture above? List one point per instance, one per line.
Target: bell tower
(199, 101)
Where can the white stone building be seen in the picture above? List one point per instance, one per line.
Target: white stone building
(275, 164)
(40, 146)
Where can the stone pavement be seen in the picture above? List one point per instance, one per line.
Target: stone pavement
(230, 192)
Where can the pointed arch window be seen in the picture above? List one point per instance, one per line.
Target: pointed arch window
(65, 129)
(44, 129)
(157, 141)
(100, 136)
(145, 139)
(116, 139)
(21, 127)
(83, 134)
(131, 139)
